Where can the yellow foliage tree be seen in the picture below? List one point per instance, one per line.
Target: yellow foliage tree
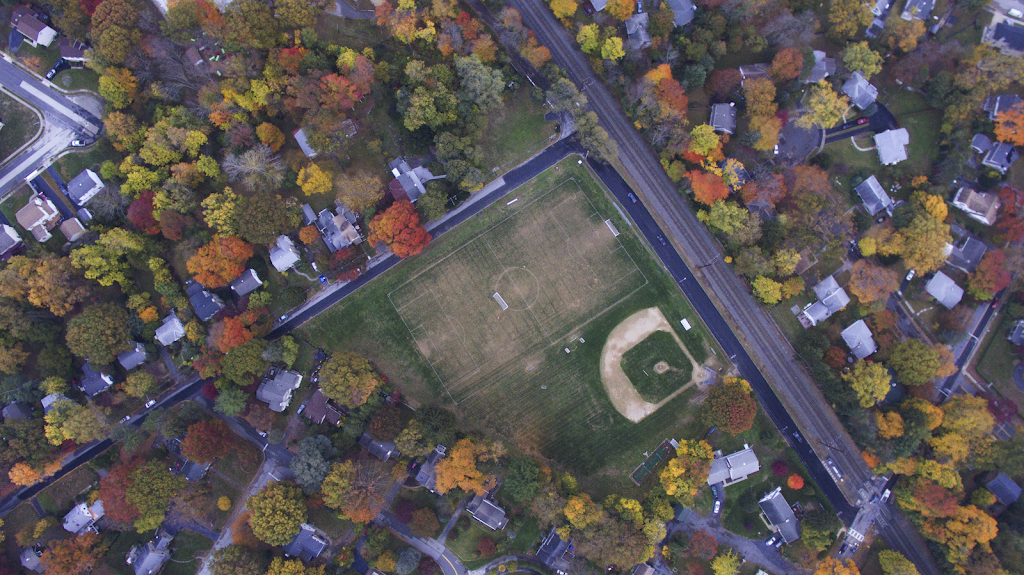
(934, 205)
(564, 8)
(581, 511)
(23, 474)
(314, 180)
(458, 469)
(224, 503)
(620, 9)
(890, 425)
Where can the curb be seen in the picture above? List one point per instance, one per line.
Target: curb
(39, 132)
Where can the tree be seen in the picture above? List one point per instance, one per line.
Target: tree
(833, 566)
(870, 381)
(818, 529)
(990, 276)
(894, 563)
(150, 492)
(564, 8)
(795, 481)
(399, 227)
(73, 556)
(687, 471)
(620, 9)
(760, 96)
(270, 136)
(914, 362)
(243, 362)
(704, 140)
(231, 401)
(424, 523)
(459, 470)
(48, 282)
(115, 29)
(310, 465)
(359, 190)
(611, 49)
(903, 35)
(858, 57)
(967, 416)
(99, 333)
(890, 425)
(723, 82)
(220, 261)
(703, 545)
(138, 383)
(207, 440)
(479, 83)
(1010, 125)
(924, 242)
(730, 406)
(581, 511)
(589, 37)
(845, 18)
(258, 168)
(787, 64)
(521, 483)
(220, 212)
(314, 180)
(357, 489)
(297, 13)
(238, 560)
(767, 290)
(271, 218)
(277, 511)
(825, 107)
(707, 188)
(348, 378)
(433, 204)
(727, 563)
(140, 214)
(118, 87)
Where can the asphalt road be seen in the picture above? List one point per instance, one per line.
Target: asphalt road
(946, 388)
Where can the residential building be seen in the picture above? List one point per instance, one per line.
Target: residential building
(427, 474)
(72, 50)
(83, 517)
(15, 410)
(1000, 103)
(823, 67)
(319, 408)
(246, 283)
(193, 471)
(919, 9)
(966, 251)
(30, 560)
(51, 401)
(277, 387)
(599, 4)
(752, 71)
(72, 229)
(84, 187)
(300, 138)
(338, 231)
(944, 289)
(284, 255)
(94, 382)
(980, 143)
(408, 182)
(1009, 39)
(637, 37)
(778, 516)
(861, 92)
(133, 356)
(556, 553)
(308, 215)
(892, 146)
(383, 450)
(723, 117)
(38, 217)
(31, 23)
(873, 196)
(1000, 156)
(149, 559)
(1005, 489)
(1016, 337)
(205, 304)
(858, 339)
(170, 331)
(979, 206)
(734, 467)
(683, 11)
(10, 242)
(643, 569)
(831, 298)
(308, 544)
(485, 511)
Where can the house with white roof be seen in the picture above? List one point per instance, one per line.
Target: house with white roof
(858, 338)
(284, 255)
(861, 92)
(84, 187)
(892, 146)
(831, 298)
(170, 331)
(38, 216)
(83, 517)
(734, 467)
(873, 196)
(944, 289)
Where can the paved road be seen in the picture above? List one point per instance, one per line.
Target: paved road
(947, 387)
(449, 563)
(345, 10)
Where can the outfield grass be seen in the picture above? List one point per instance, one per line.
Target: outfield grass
(188, 545)
(515, 131)
(20, 125)
(560, 408)
(639, 362)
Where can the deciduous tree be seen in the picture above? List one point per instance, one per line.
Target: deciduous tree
(357, 489)
(48, 282)
(269, 218)
(730, 406)
(73, 556)
(869, 380)
(276, 512)
(903, 35)
(990, 276)
(833, 566)
(220, 261)
(243, 362)
(459, 469)
(845, 18)
(914, 362)
(894, 563)
(118, 87)
(871, 283)
(348, 378)
(767, 290)
(151, 489)
(399, 227)
(220, 212)
(564, 8)
(858, 57)
(620, 9)
(687, 471)
(99, 333)
(787, 64)
(824, 106)
(727, 563)
(139, 383)
(479, 83)
(707, 188)
(207, 440)
(314, 180)
(890, 425)
(924, 242)
(238, 560)
(760, 96)
(359, 190)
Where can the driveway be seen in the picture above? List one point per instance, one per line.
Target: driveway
(753, 551)
(345, 10)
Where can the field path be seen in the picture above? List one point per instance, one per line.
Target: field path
(627, 334)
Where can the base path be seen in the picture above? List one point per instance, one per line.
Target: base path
(627, 334)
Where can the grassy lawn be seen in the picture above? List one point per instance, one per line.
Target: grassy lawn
(59, 498)
(465, 546)
(996, 362)
(328, 521)
(18, 519)
(639, 365)
(188, 545)
(527, 534)
(356, 34)
(20, 125)
(15, 202)
(78, 79)
(871, 565)
(221, 488)
(515, 131)
(464, 350)
(238, 465)
(843, 152)
(922, 122)
(121, 544)
(47, 57)
(72, 164)
(786, 319)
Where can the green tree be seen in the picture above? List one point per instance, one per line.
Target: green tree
(767, 290)
(727, 563)
(914, 362)
(238, 559)
(250, 24)
(245, 361)
(825, 107)
(433, 204)
(611, 49)
(479, 83)
(858, 57)
(359, 190)
(99, 333)
(268, 218)
(687, 471)
(219, 212)
(231, 401)
(138, 383)
(276, 513)
(704, 140)
(894, 563)
(522, 480)
(818, 529)
(151, 491)
(115, 31)
(589, 38)
(78, 423)
(869, 380)
(118, 87)
(297, 13)
(349, 379)
(310, 464)
(431, 108)
(726, 216)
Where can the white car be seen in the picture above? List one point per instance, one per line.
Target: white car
(910, 275)
(718, 507)
(886, 494)
(770, 542)
(150, 403)
(125, 418)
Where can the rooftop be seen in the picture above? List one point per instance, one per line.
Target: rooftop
(944, 289)
(283, 255)
(337, 231)
(71, 49)
(205, 304)
(780, 515)
(1016, 336)
(82, 517)
(734, 467)
(1000, 103)
(861, 92)
(1005, 489)
(683, 10)
(858, 339)
(246, 283)
(72, 229)
(1007, 36)
(873, 196)
(978, 205)
(1001, 156)
(38, 216)
(10, 241)
(427, 474)
(319, 409)
(892, 146)
(277, 387)
(967, 251)
(555, 552)
(300, 138)
(15, 410)
(486, 512)
(636, 30)
(308, 544)
(831, 298)
(94, 382)
(823, 67)
(84, 187)
(132, 357)
(170, 331)
(383, 450)
(30, 561)
(723, 117)
(919, 9)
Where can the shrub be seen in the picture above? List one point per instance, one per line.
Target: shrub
(780, 469)
(795, 481)
(485, 546)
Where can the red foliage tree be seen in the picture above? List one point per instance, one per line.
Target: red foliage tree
(1001, 408)
(485, 546)
(233, 334)
(703, 545)
(724, 81)
(765, 191)
(399, 227)
(671, 92)
(991, 274)
(707, 188)
(1011, 214)
(787, 64)
(73, 556)
(795, 481)
(779, 468)
(835, 357)
(89, 6)
(113, 492)
(730, 406)
(206, 440)
(140, 214)
(220, 261)
(404, 510)
(935, 500)
(427, 565)
(172, 224)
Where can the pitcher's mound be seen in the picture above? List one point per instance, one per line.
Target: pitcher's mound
(661, 367)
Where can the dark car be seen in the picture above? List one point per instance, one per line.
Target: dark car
(632, 197)
(663, 241)
(59, 67)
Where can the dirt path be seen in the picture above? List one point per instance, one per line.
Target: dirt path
(627, 334)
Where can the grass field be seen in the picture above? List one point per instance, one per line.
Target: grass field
(240, 468)
(20, 125)
(188, 545)
(57, 499)
(514, 131)
(432, 326)
(72, 164)
(639, 362)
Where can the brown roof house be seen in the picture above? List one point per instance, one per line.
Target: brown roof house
(978, 205)
(31, 23)
(72, 50)
(39, 216)
(320, 408)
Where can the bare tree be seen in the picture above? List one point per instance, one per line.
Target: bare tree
(259, 168)
(109, 204)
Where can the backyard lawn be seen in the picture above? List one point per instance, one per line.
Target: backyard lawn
(997, 361)
(188, 546)
(20, 125)
(241, 462)
(78, 79)
(465, 545)
(356, 34)
(59, 498)
(72, 164)
(514, 132)
(328, 521)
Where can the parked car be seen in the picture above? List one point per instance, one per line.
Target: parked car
(58, 67)
(886, 494)
(862, 121)
(910, 275)
(632, 197)
(150, 403)
(718, 507)
(771, 541)
(843, 548)
(125, 418)
(588, 8)
(79, 143)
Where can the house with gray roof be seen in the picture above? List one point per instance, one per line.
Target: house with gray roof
(556, 553)
(308, 544)
(723, 117)
(170, 331)
(94, 382)
(149, 559)
(284, 255)
(919, 9)
(193, 471)
(84, 187)
(831, 298)
(979, 206)
(823, 67)
(10, 242)
(1016, 336)
(944, 289)
(383, 450)
(30, 560)
(132, 357)
(892, 146)
(308, 215)
(83, 517)
(205, 304)
(52, 401)
(427, 473)
(1009, 39)
(683, 11)
(1000, 103)
(753, 71)
(72, 50)
(873, 196)
(15, 410)
(277, 387)
(734, 467)
(637, 36)
(966, 251)
(246, 283)
(320, 408)
(1001, 156)
(485, 511)
(981, 143)
(338, 230)
(300, 139)
(1005, 489)
(861, 92)
(858, 338)
(408, 182)
(778, 516)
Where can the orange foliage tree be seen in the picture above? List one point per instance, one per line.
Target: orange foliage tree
(707, 188)
(206, 440)
(233, 333)
(308, 234)
(766, 191)
(400, 228)
(795, 481)
(458, 469)
(73, 556)
(220, 261)
(787, 64)
(1010, 125)
(24, 474)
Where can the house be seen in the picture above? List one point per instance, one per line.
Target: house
(72, 229)
(300, 138)
(277, 387)
(682, 10)
(643, 569)
(308, 544)
(980, 143)
(636, 31)
(734, 467)
(10, 242)
(752, 71)
(599, 4)
(30, 560)
(858, 339)
(408, 182)
(133, 357)
(205, 304)
(1000, 156)
(486, 512)
(831, 298)
(978, 205)
(83, 517)
(319, 408)
(1001, 103)
(723, 117)
(94, 382)
(556, 553)
(1016, 337)
(734, 174)
(919, 9)
(284, 255)
(383, 450)
(861, 92)
(150, 558)
(778, 516)
(944, 289)
(338, 231)
(892, 146)
(1009, 39)
(39, 216)
(84, 187)
(31, 23)
(349, 128)
(308, 215)
(966, 252)
(873, 196)
(52, 401)
(15, 410)
(170, 331)
(72, 50)
(427, 474)
(823, 67)
(192, 471)
(246, 283)
(1005, 489)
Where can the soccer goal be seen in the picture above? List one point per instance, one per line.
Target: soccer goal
(501, 301)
